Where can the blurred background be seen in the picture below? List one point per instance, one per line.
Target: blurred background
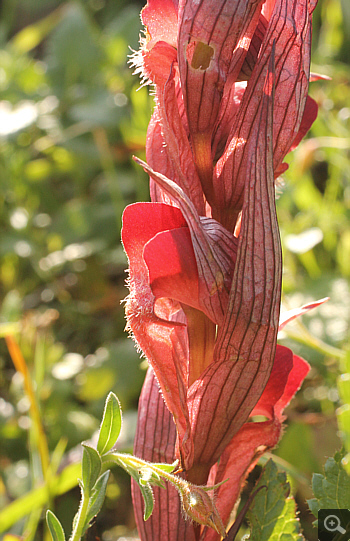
(71, 117)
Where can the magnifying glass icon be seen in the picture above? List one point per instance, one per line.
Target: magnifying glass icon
(332, 524)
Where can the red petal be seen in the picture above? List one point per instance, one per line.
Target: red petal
(287, 317)
(319, 77)
(300, 370)
(160, 19)
(309, 117)
(276, 385)
(238, 459)
(215, 260)
(286, 377)
(141, 222)
(172, 266)
(164, 343)
(157, 62)
(282, 168)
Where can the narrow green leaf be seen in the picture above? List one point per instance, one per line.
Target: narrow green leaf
(91, 467)
(32, 35)
(97, 498)
(169, 468)
(110, 425)
(272, 515)
(153, 482)
(55, 527)
(331, 490)
(214, 487)
(57, 455)
(147, 494)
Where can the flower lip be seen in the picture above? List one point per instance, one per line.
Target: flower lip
(172, 267)
(157, 62)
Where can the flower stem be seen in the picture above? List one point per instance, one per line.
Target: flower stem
(121, 458)
(78, 529)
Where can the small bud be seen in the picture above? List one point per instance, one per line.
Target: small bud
(199, 506)
(145, 474)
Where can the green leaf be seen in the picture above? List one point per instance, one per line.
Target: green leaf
(272, 514)
(110, 425)
(314, 506)
(169, 468)
(91, 467)
(331, 490)
(147, 494)
(57, 455)
(145, 487)
(55, 527)
(97, 498)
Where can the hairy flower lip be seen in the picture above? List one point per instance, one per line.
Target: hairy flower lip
(215, 263)
(166, 256)
(164, 345)
(157, 61)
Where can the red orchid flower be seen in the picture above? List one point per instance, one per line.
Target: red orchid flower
(203, 372)
(231, 81)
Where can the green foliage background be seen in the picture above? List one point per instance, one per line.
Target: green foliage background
(70, 120)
